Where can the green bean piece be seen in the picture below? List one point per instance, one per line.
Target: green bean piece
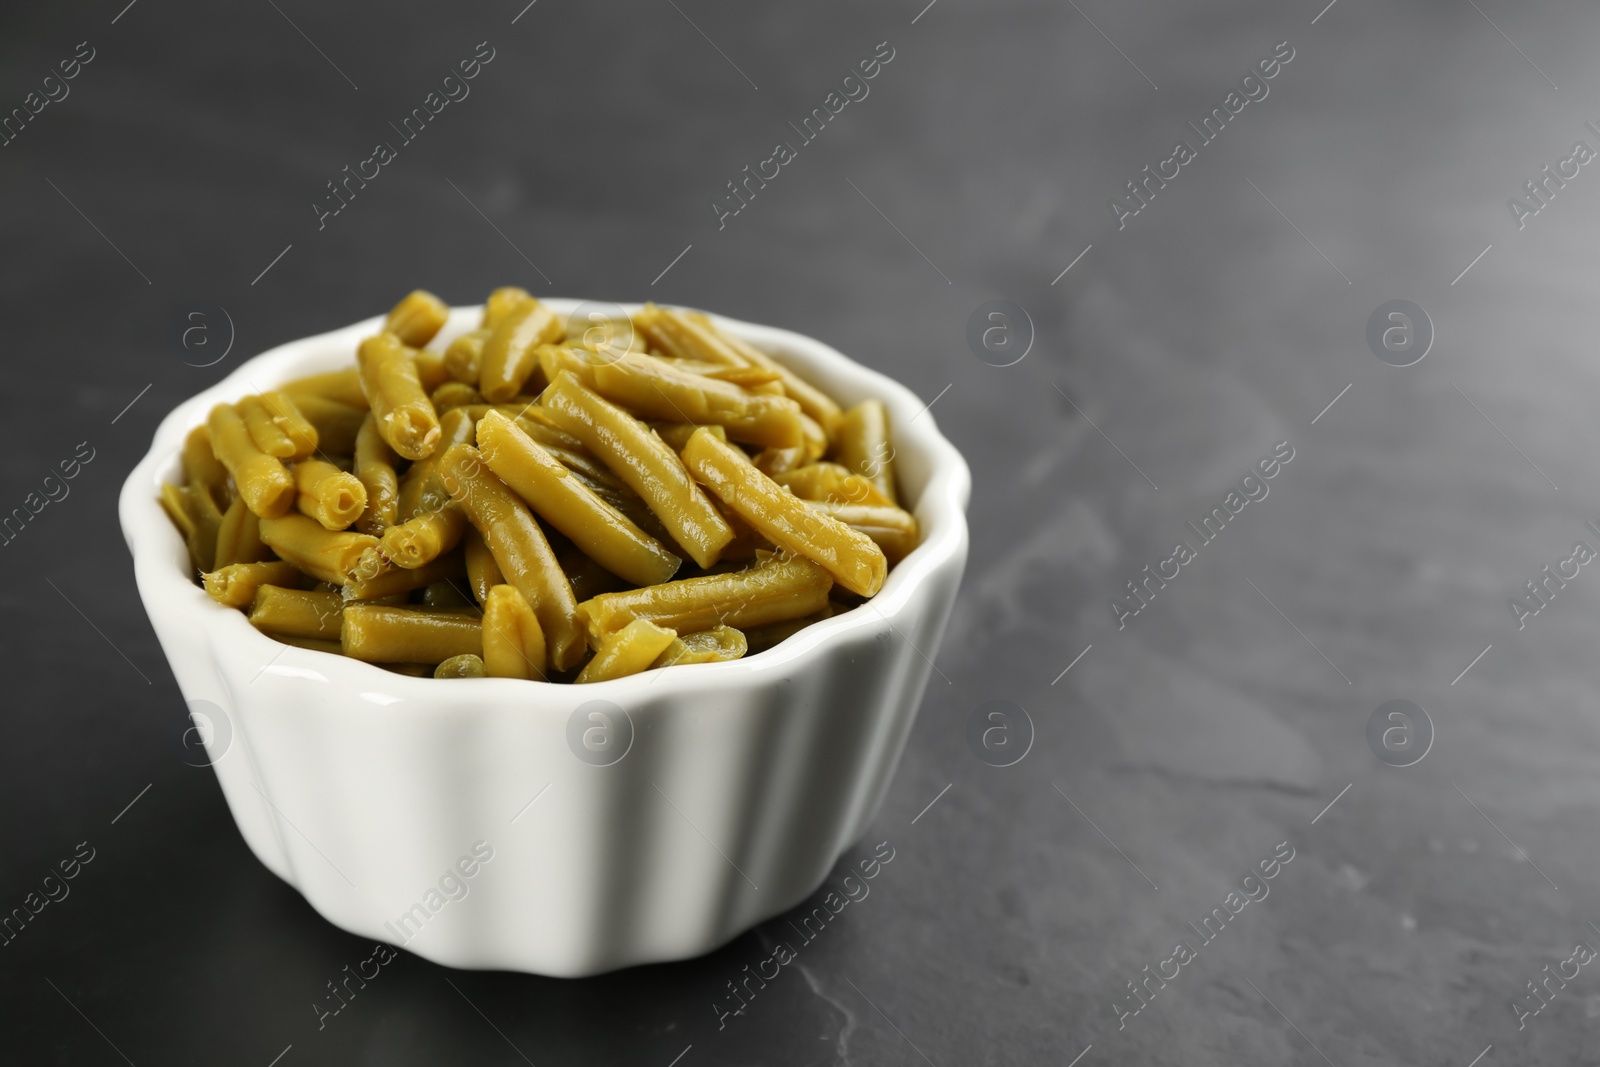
(535, 422)
(783, 518)
(192, 511)
(315, 644)
(331, 555)
(376, 584)
(755, 379)
(862, 445)
(401, 635)
(463, 666)
(747, 541)
(692, 335)
(775, 589)
(511, 353)
(588, 578)
(329, 495)
(601, 531)
(340, 386)
(817, 440)
(296, 612)
(369, 566)
(519, 548)
(208, 524)
(716, 645)
(761, 638)
(463, 357)
(447, 596)
(513, 641)
(291, 424)
(267, 434)
(581, 362)
(832, 483)
(628, 651)
(500, 304)
(431, 372)
(263, 480)
(235, 585)
(616, 493)
(405, 416)
(775, 461)
(645, 463)
(677, 434)
(417, 317)
(336, 423)
(374, 463)
(201, 466)
(175, 501)
(239, 537)
(454, 395)
(655, 389)
(483, 573)
(608, 337)
(813, 401)
(672, 332)
(892, 529)
(419, 491)
(580, 462)
(516, 408)
(425, 537)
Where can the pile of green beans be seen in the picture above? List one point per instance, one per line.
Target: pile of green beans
(539, 499)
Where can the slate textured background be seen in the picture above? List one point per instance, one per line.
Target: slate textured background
(1176, 352)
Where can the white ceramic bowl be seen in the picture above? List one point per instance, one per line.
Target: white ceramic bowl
(378, 796)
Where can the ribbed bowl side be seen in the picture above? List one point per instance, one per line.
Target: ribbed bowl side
(730, 807)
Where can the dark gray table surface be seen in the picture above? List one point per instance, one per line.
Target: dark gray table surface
(180, 171)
